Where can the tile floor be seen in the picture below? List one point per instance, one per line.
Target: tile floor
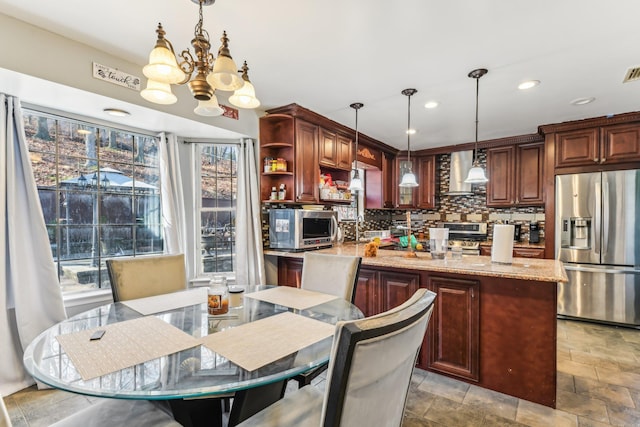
(598, 385)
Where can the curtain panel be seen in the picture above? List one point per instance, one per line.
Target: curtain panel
(30, 295)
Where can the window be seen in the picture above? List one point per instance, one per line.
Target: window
(99, 188)
(218, 183)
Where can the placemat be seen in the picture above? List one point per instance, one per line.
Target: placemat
(264, 341)
(300, 299)
(123, 345)
(165, 302)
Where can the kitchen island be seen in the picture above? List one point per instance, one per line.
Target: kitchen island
(493, 325)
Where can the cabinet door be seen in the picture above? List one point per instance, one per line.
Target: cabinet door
(389, 183)
(327, 148)
(529, 174)
(307, 171)
(577, 148)
(343, 153)
(620, 144)
(397, 287)
(528, 252)
(289, 272)
(427, 181)
(406, 195)
(368, 293)
(500, 171)
(454, 329)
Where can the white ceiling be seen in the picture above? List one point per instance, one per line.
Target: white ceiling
(325, 55)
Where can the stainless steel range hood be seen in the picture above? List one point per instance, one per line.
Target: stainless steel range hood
(461, 162)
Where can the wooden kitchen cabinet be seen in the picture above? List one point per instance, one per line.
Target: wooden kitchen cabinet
(368, 292)
(289, 271)
(381, 184)
(397, 287)
(454, 329)
(595, 146)
(515, 175)
(334, 151)
(306, 169)
(277, 140)
(407, 196)
(518, 252)
(427, 182)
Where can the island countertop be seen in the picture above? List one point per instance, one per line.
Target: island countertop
(544, 270)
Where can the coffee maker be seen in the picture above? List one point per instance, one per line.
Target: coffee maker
(534, 232)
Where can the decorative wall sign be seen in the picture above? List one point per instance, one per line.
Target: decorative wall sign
(115, 76)
(230, 112)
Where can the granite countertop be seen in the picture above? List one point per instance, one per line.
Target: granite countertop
(543, 270)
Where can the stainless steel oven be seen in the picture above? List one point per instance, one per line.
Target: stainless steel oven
(467, 235)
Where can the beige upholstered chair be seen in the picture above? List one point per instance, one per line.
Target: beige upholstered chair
(146, 276)
(330, 274)
(111, 413)
(370, 369)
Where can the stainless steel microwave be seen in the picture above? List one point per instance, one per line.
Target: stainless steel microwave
(299, 229)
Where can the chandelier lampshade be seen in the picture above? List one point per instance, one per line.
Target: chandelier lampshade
(209, 108)
(199, 69)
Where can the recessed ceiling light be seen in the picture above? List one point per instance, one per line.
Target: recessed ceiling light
(410, 131)
(431, 104)
(582, 101)
(528, 84)
(117, 112)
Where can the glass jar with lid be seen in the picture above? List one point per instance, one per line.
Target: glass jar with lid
(218, 296)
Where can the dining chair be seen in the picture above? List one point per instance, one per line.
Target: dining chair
(111, 413)
(146, 276)
(370, 368)
(330, 274)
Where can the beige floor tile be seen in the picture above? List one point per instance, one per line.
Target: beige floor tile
(565, 382)
(499, 404)
(535, 415)
(623, 416)
(492, 420)
(415, 421)
(609, 393)
(450, 413)
(582, 405)
(578, 369)
(419, 402)
(444, 386)
(586, 422)
(594, 359)
(625, 379)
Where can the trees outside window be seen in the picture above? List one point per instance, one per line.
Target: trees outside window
(99, 188)
(218, 186)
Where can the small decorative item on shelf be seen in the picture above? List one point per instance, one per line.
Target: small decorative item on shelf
(274, 165)
(282, 192)
(274, 194)
(267, 164)
(281, 165)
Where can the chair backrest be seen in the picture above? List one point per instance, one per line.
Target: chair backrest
(146, 276)
(372, 362)
(331, 274)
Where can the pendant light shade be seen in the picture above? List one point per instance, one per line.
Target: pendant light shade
(476, 173)
(409, 179)
(158, 93)
(356, 183)
(209, 108)
(245, 97)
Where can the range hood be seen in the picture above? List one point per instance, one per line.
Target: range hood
(461, 162)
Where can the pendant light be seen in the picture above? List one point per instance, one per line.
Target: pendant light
(409, 179)
(356, 182)
(476, 173)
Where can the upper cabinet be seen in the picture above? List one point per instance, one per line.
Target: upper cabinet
(598, 146)
(515, 175)
(424, 195)
(277, 140)
(306, 167)
(334, 150)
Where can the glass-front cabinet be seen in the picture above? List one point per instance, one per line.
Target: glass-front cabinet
(407, 196)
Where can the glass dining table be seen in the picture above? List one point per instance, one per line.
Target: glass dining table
(194, 373)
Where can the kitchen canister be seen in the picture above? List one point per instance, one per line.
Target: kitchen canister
(502, 247)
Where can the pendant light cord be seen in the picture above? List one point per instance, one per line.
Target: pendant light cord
(475, 152)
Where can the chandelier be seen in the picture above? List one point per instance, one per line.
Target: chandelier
(203, 74)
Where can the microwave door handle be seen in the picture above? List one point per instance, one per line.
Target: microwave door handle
(597, 216)
(605, 215)
(334, 228)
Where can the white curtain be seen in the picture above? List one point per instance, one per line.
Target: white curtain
(173, 208)
(249, 257)
(30, 295)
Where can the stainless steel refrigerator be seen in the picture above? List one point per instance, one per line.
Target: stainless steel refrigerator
(598, 239)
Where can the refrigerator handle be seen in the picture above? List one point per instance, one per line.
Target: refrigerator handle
(597, 217)
(605, 215)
